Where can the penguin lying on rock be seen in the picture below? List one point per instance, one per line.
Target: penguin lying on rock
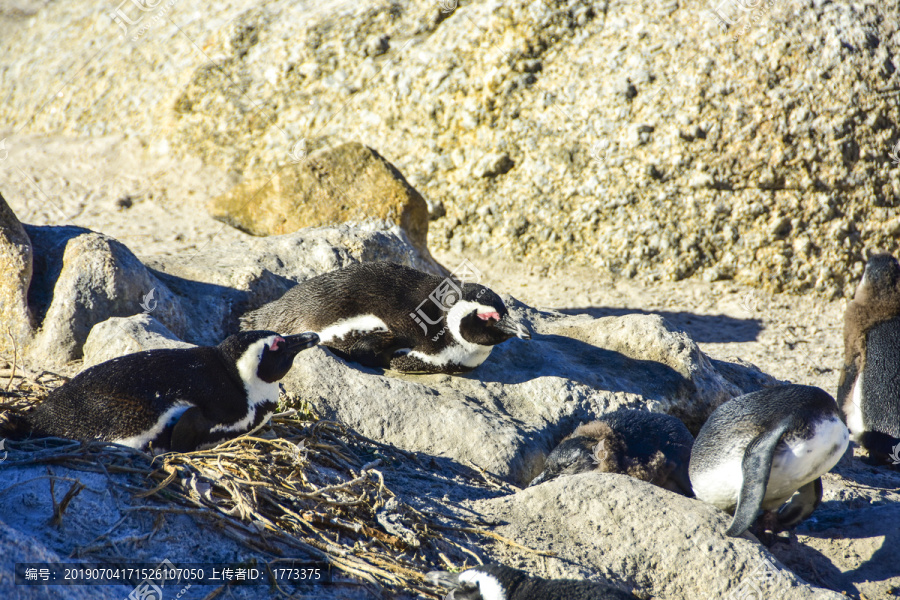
(497, 582)
(386, 315)
(869, 389)
(756, 450)
(178, 400)
(652, 447)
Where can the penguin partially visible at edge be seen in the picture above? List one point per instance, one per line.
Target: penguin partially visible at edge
(386, 315)
(869, 388)
(498, 582)
(172, 399)
(756, 450)
(652, 447)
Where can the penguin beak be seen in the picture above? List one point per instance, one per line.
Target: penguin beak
(509, 325)
(539, 479)
(301, 341)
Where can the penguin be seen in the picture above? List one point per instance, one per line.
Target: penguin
(499, 582)
(652, 447)
(386, 315)
(869, 387)
(755, 451)
(175, 399)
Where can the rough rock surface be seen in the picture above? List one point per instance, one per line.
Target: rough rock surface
(82, 278)
(650, 538)
(18, 547)
(118, 336)
(641, 136)
(347, 183)
(16, 267)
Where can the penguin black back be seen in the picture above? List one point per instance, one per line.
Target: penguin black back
(652, 447)
(176, 398)
(869, 392)
(499, 582)
(383, 314)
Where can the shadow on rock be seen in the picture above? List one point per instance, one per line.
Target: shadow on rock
(580, 362)
(717, 329)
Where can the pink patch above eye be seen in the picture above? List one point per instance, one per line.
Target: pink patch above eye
(275, 342)
(491, 316)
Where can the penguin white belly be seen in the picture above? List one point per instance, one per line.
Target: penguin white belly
(141, 440)
(468, 355)
(800, 461)
(721, 486)
(357, 324)
(853, 410)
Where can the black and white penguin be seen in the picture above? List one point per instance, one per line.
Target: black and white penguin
(652, 447)
(498, 582)
(756, 450)
(180, 400)
(869, 388)
(386, 315)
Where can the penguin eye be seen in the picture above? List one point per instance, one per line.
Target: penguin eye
(488, 316)
(276, 344)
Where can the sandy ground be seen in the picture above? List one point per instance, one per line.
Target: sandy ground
(154, 202)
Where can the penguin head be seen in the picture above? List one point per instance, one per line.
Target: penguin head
(881, 279)
(480, 317)
(265, 355)
(593, 446)
(575, 454)
(485, 582)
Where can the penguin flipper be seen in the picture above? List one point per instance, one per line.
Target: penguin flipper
(755, 470)
(189, 431)
(801, 505)
(374, 349)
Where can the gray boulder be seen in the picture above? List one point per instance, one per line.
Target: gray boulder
(16, 266)
(118, 336)
(652, 539)
(509, 412)
(82, 278)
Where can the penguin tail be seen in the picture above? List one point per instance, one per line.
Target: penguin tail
(881, 446)
(14, 427)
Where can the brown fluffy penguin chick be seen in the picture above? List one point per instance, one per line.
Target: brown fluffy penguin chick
(652, 447)
(869, 388)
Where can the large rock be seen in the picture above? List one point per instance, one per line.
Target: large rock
(511, 411)
(82, 278)
(118, 336)
(644, 137)
(348, 183)
(16, 266)
(660, 542)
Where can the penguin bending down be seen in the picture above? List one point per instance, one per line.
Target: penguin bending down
(869, 388)
(180, 400)
(652, 447)
(756, 450)
(386, 315)
(497, 582)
